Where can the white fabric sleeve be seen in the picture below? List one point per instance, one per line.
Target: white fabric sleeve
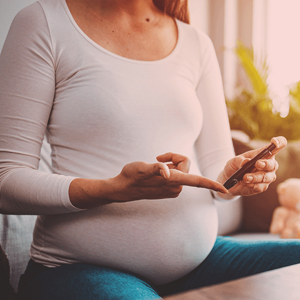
(214, 145)
(27, 87)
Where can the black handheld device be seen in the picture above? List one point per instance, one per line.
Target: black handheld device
(247, 168)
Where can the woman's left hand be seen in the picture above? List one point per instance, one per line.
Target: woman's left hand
(259, 179)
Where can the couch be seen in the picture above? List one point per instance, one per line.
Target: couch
(248, 217)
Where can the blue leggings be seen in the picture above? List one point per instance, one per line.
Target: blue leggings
(230, 258)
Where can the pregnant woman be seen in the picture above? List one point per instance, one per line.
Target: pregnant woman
(130, 99)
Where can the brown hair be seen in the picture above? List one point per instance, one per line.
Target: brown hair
(175, 8)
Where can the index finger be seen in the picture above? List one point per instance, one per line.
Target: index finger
(181, 178)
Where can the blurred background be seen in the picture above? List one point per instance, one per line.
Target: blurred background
(269, 26)
(258, 49)
(257, 45)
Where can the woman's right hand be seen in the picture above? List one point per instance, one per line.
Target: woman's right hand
(140, 180)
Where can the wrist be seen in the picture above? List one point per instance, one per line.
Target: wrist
(109, 190)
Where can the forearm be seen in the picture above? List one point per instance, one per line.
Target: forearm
(89, 193)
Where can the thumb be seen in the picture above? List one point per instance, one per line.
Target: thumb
(160, 169)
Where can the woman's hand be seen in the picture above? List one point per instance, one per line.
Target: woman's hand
(259, 179)
(139, 180)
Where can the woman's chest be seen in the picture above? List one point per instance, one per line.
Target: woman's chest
(126, 99)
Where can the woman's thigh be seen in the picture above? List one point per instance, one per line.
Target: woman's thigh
(233, 258)
(82, 281)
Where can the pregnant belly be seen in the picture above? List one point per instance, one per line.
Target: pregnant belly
(160, 240)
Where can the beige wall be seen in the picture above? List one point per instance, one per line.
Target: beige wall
(8, 9)
(199, 14)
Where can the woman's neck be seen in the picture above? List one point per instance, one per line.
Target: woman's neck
(134, 29)
(115, 10)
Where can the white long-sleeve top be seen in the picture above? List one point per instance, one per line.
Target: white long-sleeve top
(101, 111)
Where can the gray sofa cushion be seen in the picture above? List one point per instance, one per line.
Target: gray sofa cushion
(15, 238)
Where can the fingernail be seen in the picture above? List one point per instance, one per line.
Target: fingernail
(261, 164)
(277, 141)
(163, 174)
(249, 179)
(223, 191)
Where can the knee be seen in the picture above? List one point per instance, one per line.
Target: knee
(285, 252)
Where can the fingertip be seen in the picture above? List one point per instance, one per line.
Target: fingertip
(164, 157)
(220, 188)
(279, 142)
(158, 158)
(276, 142)
(223, 190)
(161, 158)
(284, 140)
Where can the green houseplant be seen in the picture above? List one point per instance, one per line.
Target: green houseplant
(252, 110)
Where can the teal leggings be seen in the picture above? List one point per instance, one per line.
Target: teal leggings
(230, 258)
